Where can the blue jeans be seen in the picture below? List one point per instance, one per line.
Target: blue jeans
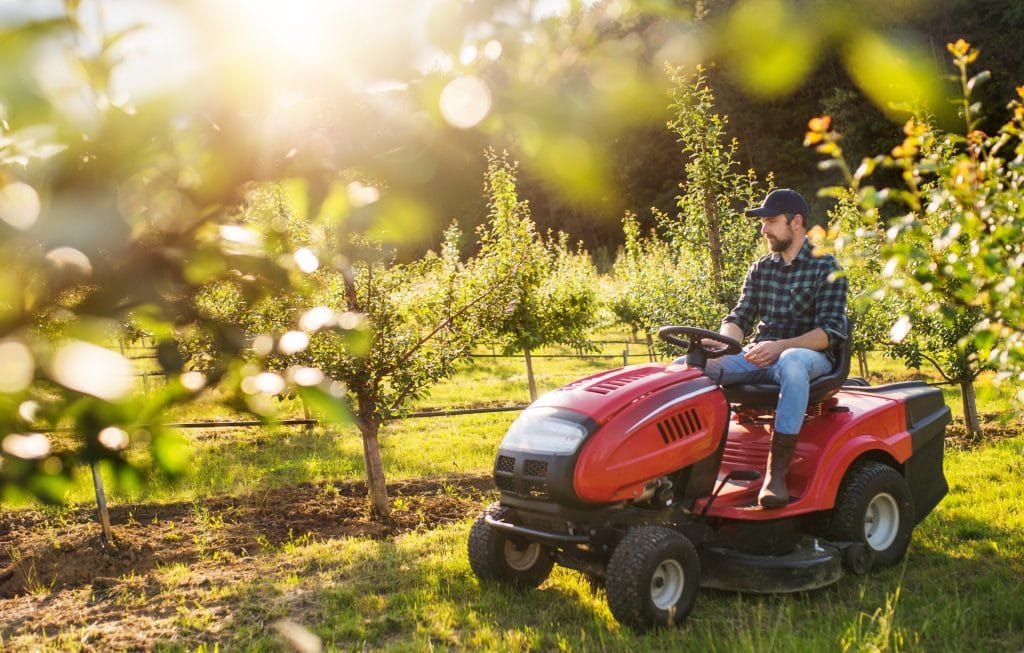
(793, 373)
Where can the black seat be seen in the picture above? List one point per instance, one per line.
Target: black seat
(766, 395)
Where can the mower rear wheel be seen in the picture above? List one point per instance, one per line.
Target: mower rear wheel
(652, 578)
(874, 507)
(495, 556)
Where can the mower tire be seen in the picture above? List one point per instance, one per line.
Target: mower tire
(495, 556)
(652, 578)
(873, 507)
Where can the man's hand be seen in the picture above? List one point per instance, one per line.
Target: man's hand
(765, 353)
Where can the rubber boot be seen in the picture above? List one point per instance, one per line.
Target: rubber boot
(774, 493)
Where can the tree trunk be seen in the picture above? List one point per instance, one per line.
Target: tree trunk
(971, 420)
(529, 375)
(714, 243)
(862, 361)
(377, 487)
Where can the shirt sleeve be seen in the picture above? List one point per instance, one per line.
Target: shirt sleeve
(746, 312)
(831, 305)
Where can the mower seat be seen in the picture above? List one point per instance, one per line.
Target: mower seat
(766, 395)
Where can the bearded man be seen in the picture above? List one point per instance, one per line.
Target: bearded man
(797, 301)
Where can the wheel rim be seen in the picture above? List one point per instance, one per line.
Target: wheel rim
(882, 522)
(522, 558)
(667, 584)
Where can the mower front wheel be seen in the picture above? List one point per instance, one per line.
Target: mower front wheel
(875, 508)
(652, 578)
(494, 556)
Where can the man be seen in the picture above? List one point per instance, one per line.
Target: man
(800, 301)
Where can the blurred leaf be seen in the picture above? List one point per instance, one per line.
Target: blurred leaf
(897, 73)
(170, 451)
(326, 407)
(402, 220)
(773, 46)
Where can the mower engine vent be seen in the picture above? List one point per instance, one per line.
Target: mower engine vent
(679, 426)
(611, 385)
(505, 464)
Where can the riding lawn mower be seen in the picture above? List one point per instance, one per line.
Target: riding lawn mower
(645, 478)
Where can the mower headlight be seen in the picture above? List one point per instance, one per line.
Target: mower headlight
(539, 430)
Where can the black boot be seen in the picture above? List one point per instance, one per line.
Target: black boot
(774, 493)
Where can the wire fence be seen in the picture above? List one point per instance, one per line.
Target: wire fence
(142, 352)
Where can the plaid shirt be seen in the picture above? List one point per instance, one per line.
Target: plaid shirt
(792, 299)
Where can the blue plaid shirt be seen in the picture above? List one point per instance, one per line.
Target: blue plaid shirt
(792, 299)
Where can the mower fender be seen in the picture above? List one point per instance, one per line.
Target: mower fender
(821, 493)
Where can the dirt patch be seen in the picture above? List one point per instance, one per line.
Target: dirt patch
(993, 428)
(48, 551)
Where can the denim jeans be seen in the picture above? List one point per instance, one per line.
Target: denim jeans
(793, 373)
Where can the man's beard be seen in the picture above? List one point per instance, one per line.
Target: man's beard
(781, 244)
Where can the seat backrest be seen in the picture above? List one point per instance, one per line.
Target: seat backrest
(765, 395)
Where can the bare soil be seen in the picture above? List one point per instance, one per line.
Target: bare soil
(56, 569)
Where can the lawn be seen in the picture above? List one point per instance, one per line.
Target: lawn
(265, 540)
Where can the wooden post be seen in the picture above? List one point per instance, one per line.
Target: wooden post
(625, 356)
(101, 504)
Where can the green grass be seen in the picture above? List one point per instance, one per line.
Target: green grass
(241, 460)
(959, 589)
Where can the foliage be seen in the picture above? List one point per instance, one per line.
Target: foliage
(961, 237)
(418, 320)
(553, 299)
(110, 223)
(957, 251)
(714, 193)
(660, 285)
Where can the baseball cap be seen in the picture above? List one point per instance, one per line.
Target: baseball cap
(781, 200)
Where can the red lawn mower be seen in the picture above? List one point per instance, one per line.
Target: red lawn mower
(646, 477)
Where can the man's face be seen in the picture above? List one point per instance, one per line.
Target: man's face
(778, 231)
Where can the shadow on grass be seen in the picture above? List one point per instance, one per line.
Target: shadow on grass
(419, 590)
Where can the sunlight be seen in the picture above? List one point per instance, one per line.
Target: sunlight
(297, 32)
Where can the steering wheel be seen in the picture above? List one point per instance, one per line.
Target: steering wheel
(694, 340)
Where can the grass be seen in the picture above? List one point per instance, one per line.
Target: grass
(958, 589)
(242, 460)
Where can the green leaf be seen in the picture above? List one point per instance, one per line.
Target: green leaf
(325, 406)
(980, 78)
(171, 451)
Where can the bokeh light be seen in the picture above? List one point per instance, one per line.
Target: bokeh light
(29, 446)
(92, 370)
(19, 205)
(113, 438)
(306, 260)
(71, 260)
(17, 366)
(305, 376)
(465, 101)
(293, 342)
(317, 318)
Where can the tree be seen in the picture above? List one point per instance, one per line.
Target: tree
(660, 285)
(554, 298)
(957, 250)
(710, 217)
(419, 320)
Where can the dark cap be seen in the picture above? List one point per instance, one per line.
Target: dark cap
(781, 200)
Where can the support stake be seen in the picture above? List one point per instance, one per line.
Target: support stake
(101, 504)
